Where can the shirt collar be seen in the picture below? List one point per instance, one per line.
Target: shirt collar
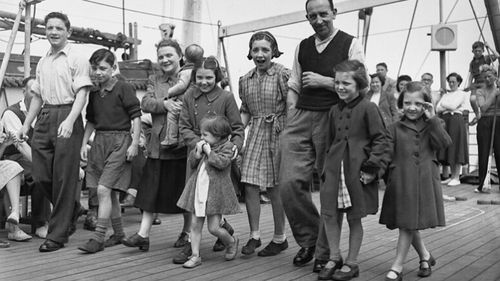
(64, 50)
(213, 95)
(271, 71)
(327, 39)
(351, 104)
(111, 85)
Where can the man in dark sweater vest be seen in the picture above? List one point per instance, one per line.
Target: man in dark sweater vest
(12, 120)
(303, 144)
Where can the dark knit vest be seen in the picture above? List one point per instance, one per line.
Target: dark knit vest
(337, 51)
(16, 109)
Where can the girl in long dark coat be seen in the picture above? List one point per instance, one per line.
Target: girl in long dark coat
(413, 198)
(357, 143)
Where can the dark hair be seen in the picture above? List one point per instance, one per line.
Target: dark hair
(427, 73)
(379, 76)
(456, 75)
(194, 53)
(329, 2)
(414, 86)
(208, 63)
(264, 35)
(102, 55)
(478, 44)
(357, 68)
(383, 64)
(402, 78)
(170, 43)
(58, 15)
(216, 125)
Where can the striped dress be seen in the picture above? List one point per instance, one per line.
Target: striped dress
(264, 98)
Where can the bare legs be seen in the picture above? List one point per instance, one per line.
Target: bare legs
(333, 228)
(252, 201)
(214, 228)
(14, 188)
(407, 237)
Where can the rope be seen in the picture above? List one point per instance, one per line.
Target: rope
(407, 37)
(478, 25)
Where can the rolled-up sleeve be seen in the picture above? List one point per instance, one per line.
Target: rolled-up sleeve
(81, 71)
(295, 81)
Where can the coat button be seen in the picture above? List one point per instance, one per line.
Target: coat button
(195, 105)
(416, 154)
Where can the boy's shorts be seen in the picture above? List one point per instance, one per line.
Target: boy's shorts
(107, 160)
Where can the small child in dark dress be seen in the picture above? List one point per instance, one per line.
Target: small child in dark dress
(413, 199)
(209, 191)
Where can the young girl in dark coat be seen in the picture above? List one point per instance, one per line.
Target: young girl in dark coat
(357, 143)
(413, 198)
(209, 191)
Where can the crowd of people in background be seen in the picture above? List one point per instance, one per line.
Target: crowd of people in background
(182, 149)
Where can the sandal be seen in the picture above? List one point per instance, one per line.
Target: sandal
(399, 276)
(426, 271)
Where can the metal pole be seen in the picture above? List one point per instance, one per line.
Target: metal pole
(10, 44)
(442, 54)
(226, 63)
(27, 42)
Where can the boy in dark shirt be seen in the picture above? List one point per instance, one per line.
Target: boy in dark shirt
(475, 80)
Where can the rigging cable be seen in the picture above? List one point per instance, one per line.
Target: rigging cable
(408, 37)
(151, 14)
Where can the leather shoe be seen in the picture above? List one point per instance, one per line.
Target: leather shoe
(137, 241)
(128, 202)
(426, 271)
(183, 256)
(50, 246)
(219, 245)
(250, 247)
(329, 269)
(92, 246)
(113, 240)
(304, 256)
(340, 275)
(319, 265)
(182, 240)
(399, 276)
(272, 249)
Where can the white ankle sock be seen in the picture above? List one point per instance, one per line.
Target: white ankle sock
(255, 234)
(278, 239)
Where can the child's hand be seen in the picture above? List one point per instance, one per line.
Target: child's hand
(81, 174)
(6, 139)
(366, 178)
(132, 152)
(206, 148)
(83, 153)
(429, 110)
(198, 150)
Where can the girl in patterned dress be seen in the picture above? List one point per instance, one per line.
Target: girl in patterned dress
(263, 93)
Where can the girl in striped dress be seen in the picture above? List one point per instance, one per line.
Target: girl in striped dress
(263, 93)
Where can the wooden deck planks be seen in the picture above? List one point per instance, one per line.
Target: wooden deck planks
(468, 248)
